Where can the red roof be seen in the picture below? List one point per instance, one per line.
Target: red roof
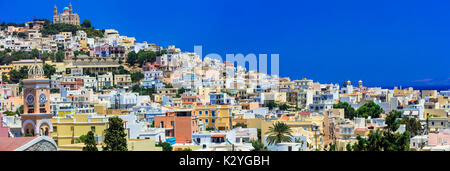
(360, 130)
(10, 144)
(305, 113)
(217, 135)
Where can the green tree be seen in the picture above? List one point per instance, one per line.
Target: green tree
(349, 111)
(121, 70)
(391, 122)
(369, 109)
(19, 110)
(89, 142)
(81, 139)
(284, 107)
(168, 86)
(86, 24)
(382, 141)
(181, 90)
(187, 149)
(9, 113)
(49, 70)
(412, 125)
(258, 146)
(348, 147)
(47, 56)
(5, 79)
(35, 53)
(59, 56)
(115, 136)
(145, 56)
(332, 147)
(165, 146)
(21, 35)
(271, 105)
(16, 76)
(137, 76)
(279, 132)
(258, 132)
(132, 58)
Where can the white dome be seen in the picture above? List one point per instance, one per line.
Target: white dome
(35, 71)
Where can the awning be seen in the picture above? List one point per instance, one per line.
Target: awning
(217, 135)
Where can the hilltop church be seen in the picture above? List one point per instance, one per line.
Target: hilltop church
(66, 17)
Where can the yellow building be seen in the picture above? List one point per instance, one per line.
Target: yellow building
(67, 130)
(122, 80)
(142, 145)
(214, 116)
(181, 147)
(59, 66)
(430, 93)
(24, 63)
(6, 68)
(435, 112)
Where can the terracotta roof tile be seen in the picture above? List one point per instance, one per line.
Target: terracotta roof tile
(10, 144)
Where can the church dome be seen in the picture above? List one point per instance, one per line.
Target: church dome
(35, 71)
(66, 8)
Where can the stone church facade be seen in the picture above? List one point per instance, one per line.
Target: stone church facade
(66, 17)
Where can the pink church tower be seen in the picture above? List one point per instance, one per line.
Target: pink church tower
(36, 120)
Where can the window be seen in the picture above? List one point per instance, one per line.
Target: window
(55, 129)
(213, 113)
(432, 123)
(213, 120)
(200, 112)
(206, 120)
(93, 128)
(206, 112)
(172, 123)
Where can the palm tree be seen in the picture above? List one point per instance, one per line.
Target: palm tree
(278, 133)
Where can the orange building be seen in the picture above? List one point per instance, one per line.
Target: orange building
(36, 120)
(179, 124)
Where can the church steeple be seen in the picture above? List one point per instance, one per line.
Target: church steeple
(55, 10)
(70, 8)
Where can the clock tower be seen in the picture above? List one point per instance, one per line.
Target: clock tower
(36, 119)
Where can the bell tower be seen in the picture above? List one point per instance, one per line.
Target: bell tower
(70, 8)
(55, 11)
(36, 120)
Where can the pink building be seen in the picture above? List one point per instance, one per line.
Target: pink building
(439, 139)
(179, 124)
(4, 131)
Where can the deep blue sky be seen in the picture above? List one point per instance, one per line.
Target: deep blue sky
(385, 42)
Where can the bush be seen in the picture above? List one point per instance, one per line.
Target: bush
(165, 146)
